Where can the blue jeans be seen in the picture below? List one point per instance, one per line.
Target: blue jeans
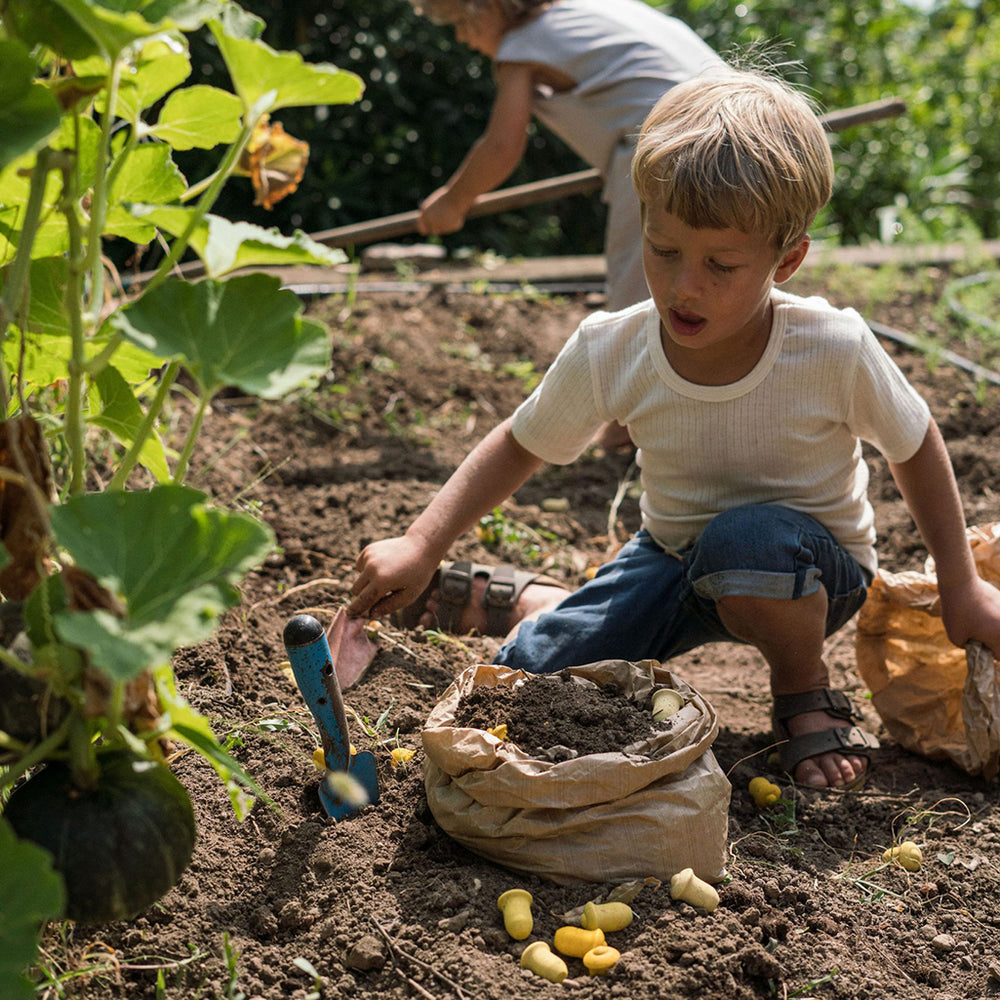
(651, 604)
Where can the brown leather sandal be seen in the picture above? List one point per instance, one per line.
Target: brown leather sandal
(453, 581)
(848, 739)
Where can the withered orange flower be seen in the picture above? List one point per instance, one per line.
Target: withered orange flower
(274, 161)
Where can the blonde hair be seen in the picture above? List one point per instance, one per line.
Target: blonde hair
(450, 11)
(736, 149)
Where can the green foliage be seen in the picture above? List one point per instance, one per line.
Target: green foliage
(32, 893)
(428, 98)
(94, 111)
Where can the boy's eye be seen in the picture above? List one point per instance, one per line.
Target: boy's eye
(722, 268)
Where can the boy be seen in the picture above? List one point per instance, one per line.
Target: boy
(748, 406)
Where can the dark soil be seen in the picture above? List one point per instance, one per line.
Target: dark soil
(554, 712)
(288, 904)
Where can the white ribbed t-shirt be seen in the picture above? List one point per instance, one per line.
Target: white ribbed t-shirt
(788, 433)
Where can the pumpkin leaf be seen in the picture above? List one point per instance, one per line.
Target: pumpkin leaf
(199, 117)
(32, 893)
(246, 332)
(122, 415)
(226, 246)
(29, 113)
(267, 80)
(172, 561)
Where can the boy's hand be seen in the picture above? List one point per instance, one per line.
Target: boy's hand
(973, 613)
(440, 213)
(392, 573)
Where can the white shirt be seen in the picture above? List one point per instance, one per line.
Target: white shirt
(788, 433)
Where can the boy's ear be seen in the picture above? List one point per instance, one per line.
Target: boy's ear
(791, 260)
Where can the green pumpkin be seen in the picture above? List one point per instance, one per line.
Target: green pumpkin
(119, 847)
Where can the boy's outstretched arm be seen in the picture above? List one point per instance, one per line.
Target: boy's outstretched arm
(393, 573)
(970, 607)
(492, 158)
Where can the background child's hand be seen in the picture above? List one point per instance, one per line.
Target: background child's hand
(440, 213)
(973, 614)
(392, 573)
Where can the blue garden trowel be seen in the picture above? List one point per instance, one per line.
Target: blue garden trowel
(312, 664)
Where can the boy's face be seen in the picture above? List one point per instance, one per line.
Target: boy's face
(481, 31)
(712, 290)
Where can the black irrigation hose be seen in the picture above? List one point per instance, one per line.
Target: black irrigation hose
(907, 339)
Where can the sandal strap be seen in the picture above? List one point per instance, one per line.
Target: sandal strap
(829, 700)
(852, 739)
(499, 598)
(455, 590)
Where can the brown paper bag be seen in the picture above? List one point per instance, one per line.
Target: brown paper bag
(661, 807)
(934, 698)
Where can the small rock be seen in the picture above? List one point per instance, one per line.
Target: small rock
(367, 953)
(993, 971)
(455, 924)
(943, 942)
(928, 931)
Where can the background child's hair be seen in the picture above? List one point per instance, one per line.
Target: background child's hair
(449, 11)
(736, 149)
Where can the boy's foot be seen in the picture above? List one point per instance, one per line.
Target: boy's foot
(469, 597)
(821, 751)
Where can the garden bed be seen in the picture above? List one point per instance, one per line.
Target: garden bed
(290, 905)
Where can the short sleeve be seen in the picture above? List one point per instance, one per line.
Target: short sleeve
(886, 410)
(560, 418)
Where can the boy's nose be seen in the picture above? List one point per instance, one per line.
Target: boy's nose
(687, 284)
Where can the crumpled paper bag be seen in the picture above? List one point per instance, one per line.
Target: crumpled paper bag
(650, 810)
(934, 698)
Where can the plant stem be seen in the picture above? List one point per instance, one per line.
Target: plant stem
(75, 433)
(14, 303)
(192, 437)
(205, 203)
(148, 422)
(37, 753)
(99, 198)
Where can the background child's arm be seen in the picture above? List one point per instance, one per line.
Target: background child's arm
(493, 156)
(970, 607)
(394, 572)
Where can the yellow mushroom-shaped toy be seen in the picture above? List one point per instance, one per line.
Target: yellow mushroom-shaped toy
(686, 886)
(539, 958)
(577, 941)
(607, 916)
(600, 959)
(906, 854)
(516, 907)
(666, 702)
(764, 792)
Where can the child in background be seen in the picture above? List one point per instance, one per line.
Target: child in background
(591, 70)
(748, 406)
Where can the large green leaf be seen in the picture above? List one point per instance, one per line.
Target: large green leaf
(173, 562)
(47, 309)
(29, 113)
(110, 28)
(267, 80)
(245, 332)
(199, 118)
(159, 68)
(226, 246)
(148, 174)
(121, 414)
(31, 893)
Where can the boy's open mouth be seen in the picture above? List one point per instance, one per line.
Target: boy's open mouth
(686, 324)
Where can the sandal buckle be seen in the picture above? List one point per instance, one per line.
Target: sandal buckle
(456, 585)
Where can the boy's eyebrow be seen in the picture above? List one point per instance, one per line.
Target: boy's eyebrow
(655, 237)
